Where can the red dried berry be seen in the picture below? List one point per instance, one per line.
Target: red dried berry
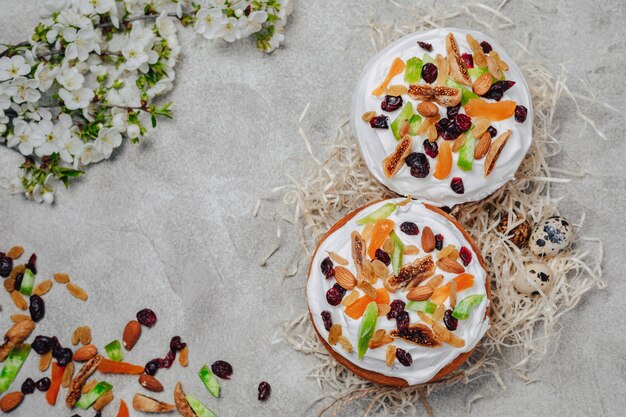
(176, 344)
(32, 263)
(409, 228)
(465, 255)
(431, 148)
(497, 89)
(264, 391)
(450, 321)
(425, 46)
(147, 317)
(383, 256)
(457, 185)
(397, 307)
(391, 103)
(486, 47)
(6, 265)
(521, 113)
(453, 111)
(334, 296)
(327, 266)
(438, 241)
(328, 320)
(402, 321)
(222, 369)
(379, 122)
(430, 72)
(404, 357)
(468, 60)
(463, 121)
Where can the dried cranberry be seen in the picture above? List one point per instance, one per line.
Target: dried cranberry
(465, 255)
(430, 72)
(334, 296)
(425, 46)
(520, 113)
(147, 317)
(450, 321)
(497, 89)
(328, 320)
(402, 321)
(409, 228)
(222, 369)
(383, 256)
(421, 166)
(168, 360)
(327, 266)
(453, 111)
(28, 386)
(6, 265)
(151, 367)
(457, 185)
(442, 125)
(43, 384)
(37, 308)
(463, 121)
(438, 241)
(391, 103)
(411, 159)
(65, 357)
(379, 122)
(176, 345)
(492, 131)
(17, 284)
(42, 345)
(32, 263)
(486, 47)
(397, 307)
(431, 148)
(468, 60)
(264, 391)
(404, 357)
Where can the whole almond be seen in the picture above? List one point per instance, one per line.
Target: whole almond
(61, 278)
(427, 109)
(428, 240)
(132, 331)
(482, 147)
(15, 252)
(482, 84)
(43, 287)
(420, 293)
(10, 401)
(344, 277)
(85, 353)
(150, 383)
(448, 265)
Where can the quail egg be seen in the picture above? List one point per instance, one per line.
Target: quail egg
(551, 236)
(535, 275)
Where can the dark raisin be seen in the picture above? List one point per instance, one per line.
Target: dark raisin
(43, 384)
(438, 241)
(429, 72)
(425, 46)
(264, 391)
(328, 320)
(151, 367)
(468, 60)
(421, 167)
(450, 321)
(453, 131)
(486, 47)
(65, 357)
(453, 111)
(17, 284)
(383, 256)
(391, 103)
(57, 349)
(176, 345)
(379, 122)
(28, 386)
(431, 148)
(32, 263)
(442, 125)
(521, 113)
(409, 228)
(334, 296)
(497, 89)
(404, 357)
(411, 159)
(402, 321)
(222, 369)
(37, 308)
(147, 317)
(492, 131)
(457, 185)
(397, 307)
(42, 345)
(6, 265)
(465, 255)
(326, 266)
(463, 121)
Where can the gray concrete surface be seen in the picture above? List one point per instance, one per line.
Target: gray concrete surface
(168, 223)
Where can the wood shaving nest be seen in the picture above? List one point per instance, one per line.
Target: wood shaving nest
(523, 331)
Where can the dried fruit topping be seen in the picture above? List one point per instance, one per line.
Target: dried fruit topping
(334, 295)
(264, 391)
(327, 319)
(150, 383)
(397, 66)
(494, 151)
(429, 72)
(438, 241)
(463, 121)
(152, 367)
(402, 321)
(327, 267)
(447, 96)
(147, 317)
(28, 386)
(420, 334)
(391, 103)
(425, 46)
(431, 148)
(75, 387)
(358, 252)
(482, 84)
(222, 369)
(379, 122)
(180, 400)
(420, 167)
(150, 405)
(367, 116)
(415, 272)
(465, 255)
(451, 322)
(453, 111)
(404, 357)
(11, 401)
(467, 60)
(383, 256)
(397, 307)
(17, 284)
(492, 131)
(42, 344)
(497, 89)
(521, 113)
(409, 228)
(32, 263)
(345, 278)
(37, 308)
(6, 265)
(43, 384)
(457, 185)
(393, 162)
(486, 47)
(131, 334)
(64, 356)
(444, 161)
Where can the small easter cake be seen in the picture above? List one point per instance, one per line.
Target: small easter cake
(398, 293)
(444, 116)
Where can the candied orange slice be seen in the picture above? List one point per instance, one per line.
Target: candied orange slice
(382, 228)
(397, 66)
(444, 161)
(500, 110)
(356, 309)
(463, 282)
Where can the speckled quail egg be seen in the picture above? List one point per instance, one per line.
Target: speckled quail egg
(535, 275)
(551, 236)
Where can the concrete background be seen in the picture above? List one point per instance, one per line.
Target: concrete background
(168, 224)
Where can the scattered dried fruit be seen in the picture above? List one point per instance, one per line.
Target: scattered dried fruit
(368, 115)
(103, 401)
(85, 353)
(150, 405)
(404, 357)
(420, 293)
(264, 391)
(18, 300)
(393, 162)
(494, 152)
(146, 317)
(61, 278)
(457, 185)
(43, 287)
(448, 265)
(15, 252)
(77, 291)
(425, 45)
(222, 369)
(344, 277)
(68, 374)
(11, 401)
(521, 113)
(150, 383)
(428, 240)
(390, 356)
(75, 386)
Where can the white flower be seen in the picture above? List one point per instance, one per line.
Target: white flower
(108, 139)
(23, 89)
(77, 99)
(166, 27)
(255, 21)
(97, 6)
(5, 100)
(44, 193)
(13, 67)
(133, 131)
(51, 136)
(90, 155)
(209, 22)
(46, 75)
(71, 79)
(23, 138)
(70, 146)
(231, 29)
(134, 54)
(85, 42)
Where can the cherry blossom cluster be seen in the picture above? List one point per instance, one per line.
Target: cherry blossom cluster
(92, 72)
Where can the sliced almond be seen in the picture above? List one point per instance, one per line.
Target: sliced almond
(396, 90)
(483, 145)
(434, 282)
(345, 343)
(146, 404)
(68, 374)
(77, 291)
(15, 252)
(44, 361)
(350, 298)
(448, 265)
(334, 333)
(420, 293)
(390, 356)
(395, 161)
(422, 92)
(368, 115)
(338, 259)
(61, 278)
(447, 96)
(103, 401)
(428, 240)
(42, 288)
(493, 68)
(368, 289)
(427, 109)
(411, 250)
(494, 151)
(383, 309)
(344, 277)
(18, 300)
(482, 84)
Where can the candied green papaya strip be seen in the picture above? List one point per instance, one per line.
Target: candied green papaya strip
(86, 400)
(415, 123)
(114, 351)
(425, 306)
(12, 365)
(464, 308)
(466, 153)
(476, 72)
(467, 94)
(398, 250)
(368, 325)
(381, 213)
(200, 409)
(405, 114)
(428, 59)
(28, 282)
(413, 70)
(209, 380)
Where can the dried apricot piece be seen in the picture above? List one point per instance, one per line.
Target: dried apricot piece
(444, 161)
(501, 110)
(397, 66)
(382, 228)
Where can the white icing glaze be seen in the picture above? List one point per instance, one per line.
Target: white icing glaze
(376, 144)
(426, 361)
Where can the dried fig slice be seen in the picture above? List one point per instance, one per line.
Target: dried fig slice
(147, 404)
(358, 252)
(494, 151)
(418, 270)
(458, 70)
(422, 92)
(420, 334)
(393, 162)
(181, 402)
(76, 385)
(452, 48)
(447, 96)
